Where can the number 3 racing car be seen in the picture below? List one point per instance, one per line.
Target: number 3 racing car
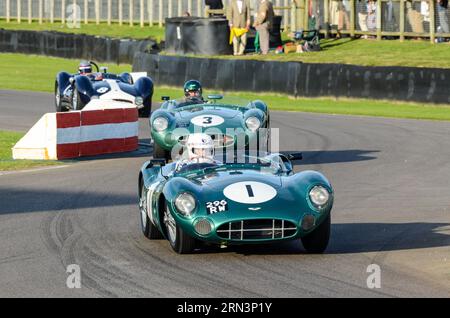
(250, 200)
(231, 122)
(75, 91)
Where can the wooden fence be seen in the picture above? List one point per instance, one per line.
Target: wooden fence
(330, 16)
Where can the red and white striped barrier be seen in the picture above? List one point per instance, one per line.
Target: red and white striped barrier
(81, 133)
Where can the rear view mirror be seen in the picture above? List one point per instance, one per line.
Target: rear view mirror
(165, 98)
(215, 96)
(295, 156)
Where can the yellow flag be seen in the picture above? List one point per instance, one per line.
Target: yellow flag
(237, 32)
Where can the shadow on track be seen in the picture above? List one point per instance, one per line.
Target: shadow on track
(356, 238)
(333, 156)
(32, 200)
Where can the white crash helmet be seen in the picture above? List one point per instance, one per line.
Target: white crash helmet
(200, 147)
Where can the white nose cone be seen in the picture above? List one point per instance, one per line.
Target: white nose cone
(250, 192)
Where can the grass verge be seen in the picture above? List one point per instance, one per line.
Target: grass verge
(415, 53)
(37, 73)
(329, 105)
(7, 140)
(103, 29)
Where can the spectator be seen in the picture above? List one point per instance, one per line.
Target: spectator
(362, 18)
(442, 6)
(239, 17)
(344, 20)
(372, 16)
(263, 24)
(334, 13)
(425, 12)
(391, 16)
(214, 5)
(415, 19)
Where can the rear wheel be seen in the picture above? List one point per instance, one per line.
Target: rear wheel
(145, 111)
(180, 242)
(148, 228)
(316, 242)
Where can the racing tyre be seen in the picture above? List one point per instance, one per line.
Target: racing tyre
(145, 111)
(316, 242)
(58, 103)
(77, 102)
(180, 242)
(148, 228)
(159, 152)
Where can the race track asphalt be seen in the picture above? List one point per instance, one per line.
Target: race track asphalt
(392, 208)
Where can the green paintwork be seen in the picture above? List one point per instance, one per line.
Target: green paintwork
(291, 202)
(234, 117)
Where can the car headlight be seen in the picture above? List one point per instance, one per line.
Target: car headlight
(139, 101)
(253, 123)
(319, 196)
(160, 123)
(185, 203)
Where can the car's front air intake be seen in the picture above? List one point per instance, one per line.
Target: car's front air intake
(122, 100)
(257, 229)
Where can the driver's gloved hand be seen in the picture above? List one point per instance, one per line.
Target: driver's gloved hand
(195, 100)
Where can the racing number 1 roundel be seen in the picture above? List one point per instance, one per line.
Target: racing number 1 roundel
(207, 120)
(250, 192)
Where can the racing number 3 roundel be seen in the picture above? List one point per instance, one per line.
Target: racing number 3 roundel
(207, 120)
(250, 192)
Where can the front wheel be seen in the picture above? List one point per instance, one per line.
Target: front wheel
(316, 242)
(77, 102)
(148, 228)
(58, 103)
(180, 242)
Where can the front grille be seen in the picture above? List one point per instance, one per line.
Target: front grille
(259, 229)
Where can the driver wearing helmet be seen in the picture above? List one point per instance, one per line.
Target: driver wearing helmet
(199, 150)
(85, 68)
(192, 93)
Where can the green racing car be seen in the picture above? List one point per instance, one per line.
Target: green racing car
(231, 122)
(246, 200)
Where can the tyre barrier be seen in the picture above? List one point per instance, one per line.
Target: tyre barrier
(73, 46)
(69, 135)
(429, 85)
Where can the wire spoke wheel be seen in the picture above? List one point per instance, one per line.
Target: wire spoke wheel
(143, 208)
(57, 97)
(171, 226)
(75, 99)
